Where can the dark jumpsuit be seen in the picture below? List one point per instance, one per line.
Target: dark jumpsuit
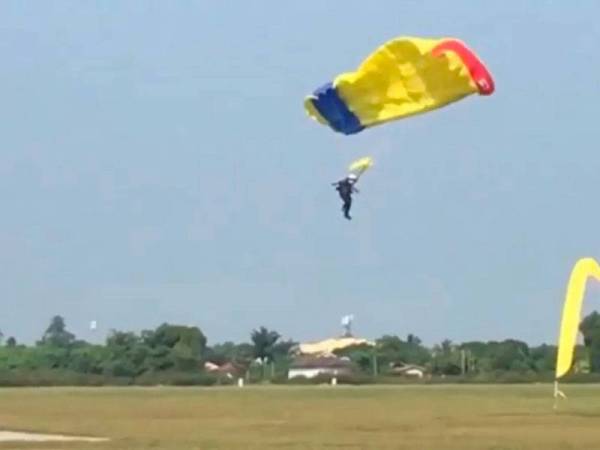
(345, 189)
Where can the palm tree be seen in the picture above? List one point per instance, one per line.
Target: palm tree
(264, 341)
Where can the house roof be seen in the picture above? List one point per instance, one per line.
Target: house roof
(228, 367)
(401, 367)
(320, 362)
(328, 346)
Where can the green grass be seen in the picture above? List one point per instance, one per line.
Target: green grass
(312, 417)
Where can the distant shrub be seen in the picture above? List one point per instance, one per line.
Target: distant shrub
(177, 379)
(582, 378)
(48, 377)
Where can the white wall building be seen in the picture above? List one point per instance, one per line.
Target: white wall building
(310, 366)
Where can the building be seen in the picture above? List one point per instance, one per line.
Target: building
(407, 370)
(312, 366)
(328, 346)
(230, 370)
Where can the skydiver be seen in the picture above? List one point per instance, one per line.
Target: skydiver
(346, 188)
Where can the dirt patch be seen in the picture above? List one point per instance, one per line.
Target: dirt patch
(19, 436)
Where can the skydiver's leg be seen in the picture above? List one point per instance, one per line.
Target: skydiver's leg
(346, 207)
(344, 198)
(347, 213)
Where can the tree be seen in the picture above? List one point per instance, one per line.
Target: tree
(88, 359)
(589, 325)
(446, 359)
(221, 353)
(477, 356)
(244, 354)
(56, 334)
(544, 357)
(264, 343)
(413, 340)
(11, 342)
(361, 355)
(447, 346)
(175, 346)
(123, 354)
(281, 349)
(392, 349)
(590, 328)
(511, 355)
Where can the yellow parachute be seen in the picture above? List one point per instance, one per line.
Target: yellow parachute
(405, 76)
(361, 165)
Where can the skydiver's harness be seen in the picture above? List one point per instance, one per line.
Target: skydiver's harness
(345, 189)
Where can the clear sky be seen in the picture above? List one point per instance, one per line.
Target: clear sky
(156, 164)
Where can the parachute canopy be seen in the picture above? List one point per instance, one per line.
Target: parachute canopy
(361, 165)
(403, 77)
(584, 269)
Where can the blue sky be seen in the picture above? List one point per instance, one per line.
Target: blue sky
(157, 165)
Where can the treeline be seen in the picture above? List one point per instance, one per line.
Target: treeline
(180, 355)
(169, 354)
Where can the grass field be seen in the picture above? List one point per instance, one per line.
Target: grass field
(386, 417)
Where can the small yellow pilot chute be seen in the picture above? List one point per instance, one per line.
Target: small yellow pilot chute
(360, 166)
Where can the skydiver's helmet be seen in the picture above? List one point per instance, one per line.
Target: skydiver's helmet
(352, 178)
